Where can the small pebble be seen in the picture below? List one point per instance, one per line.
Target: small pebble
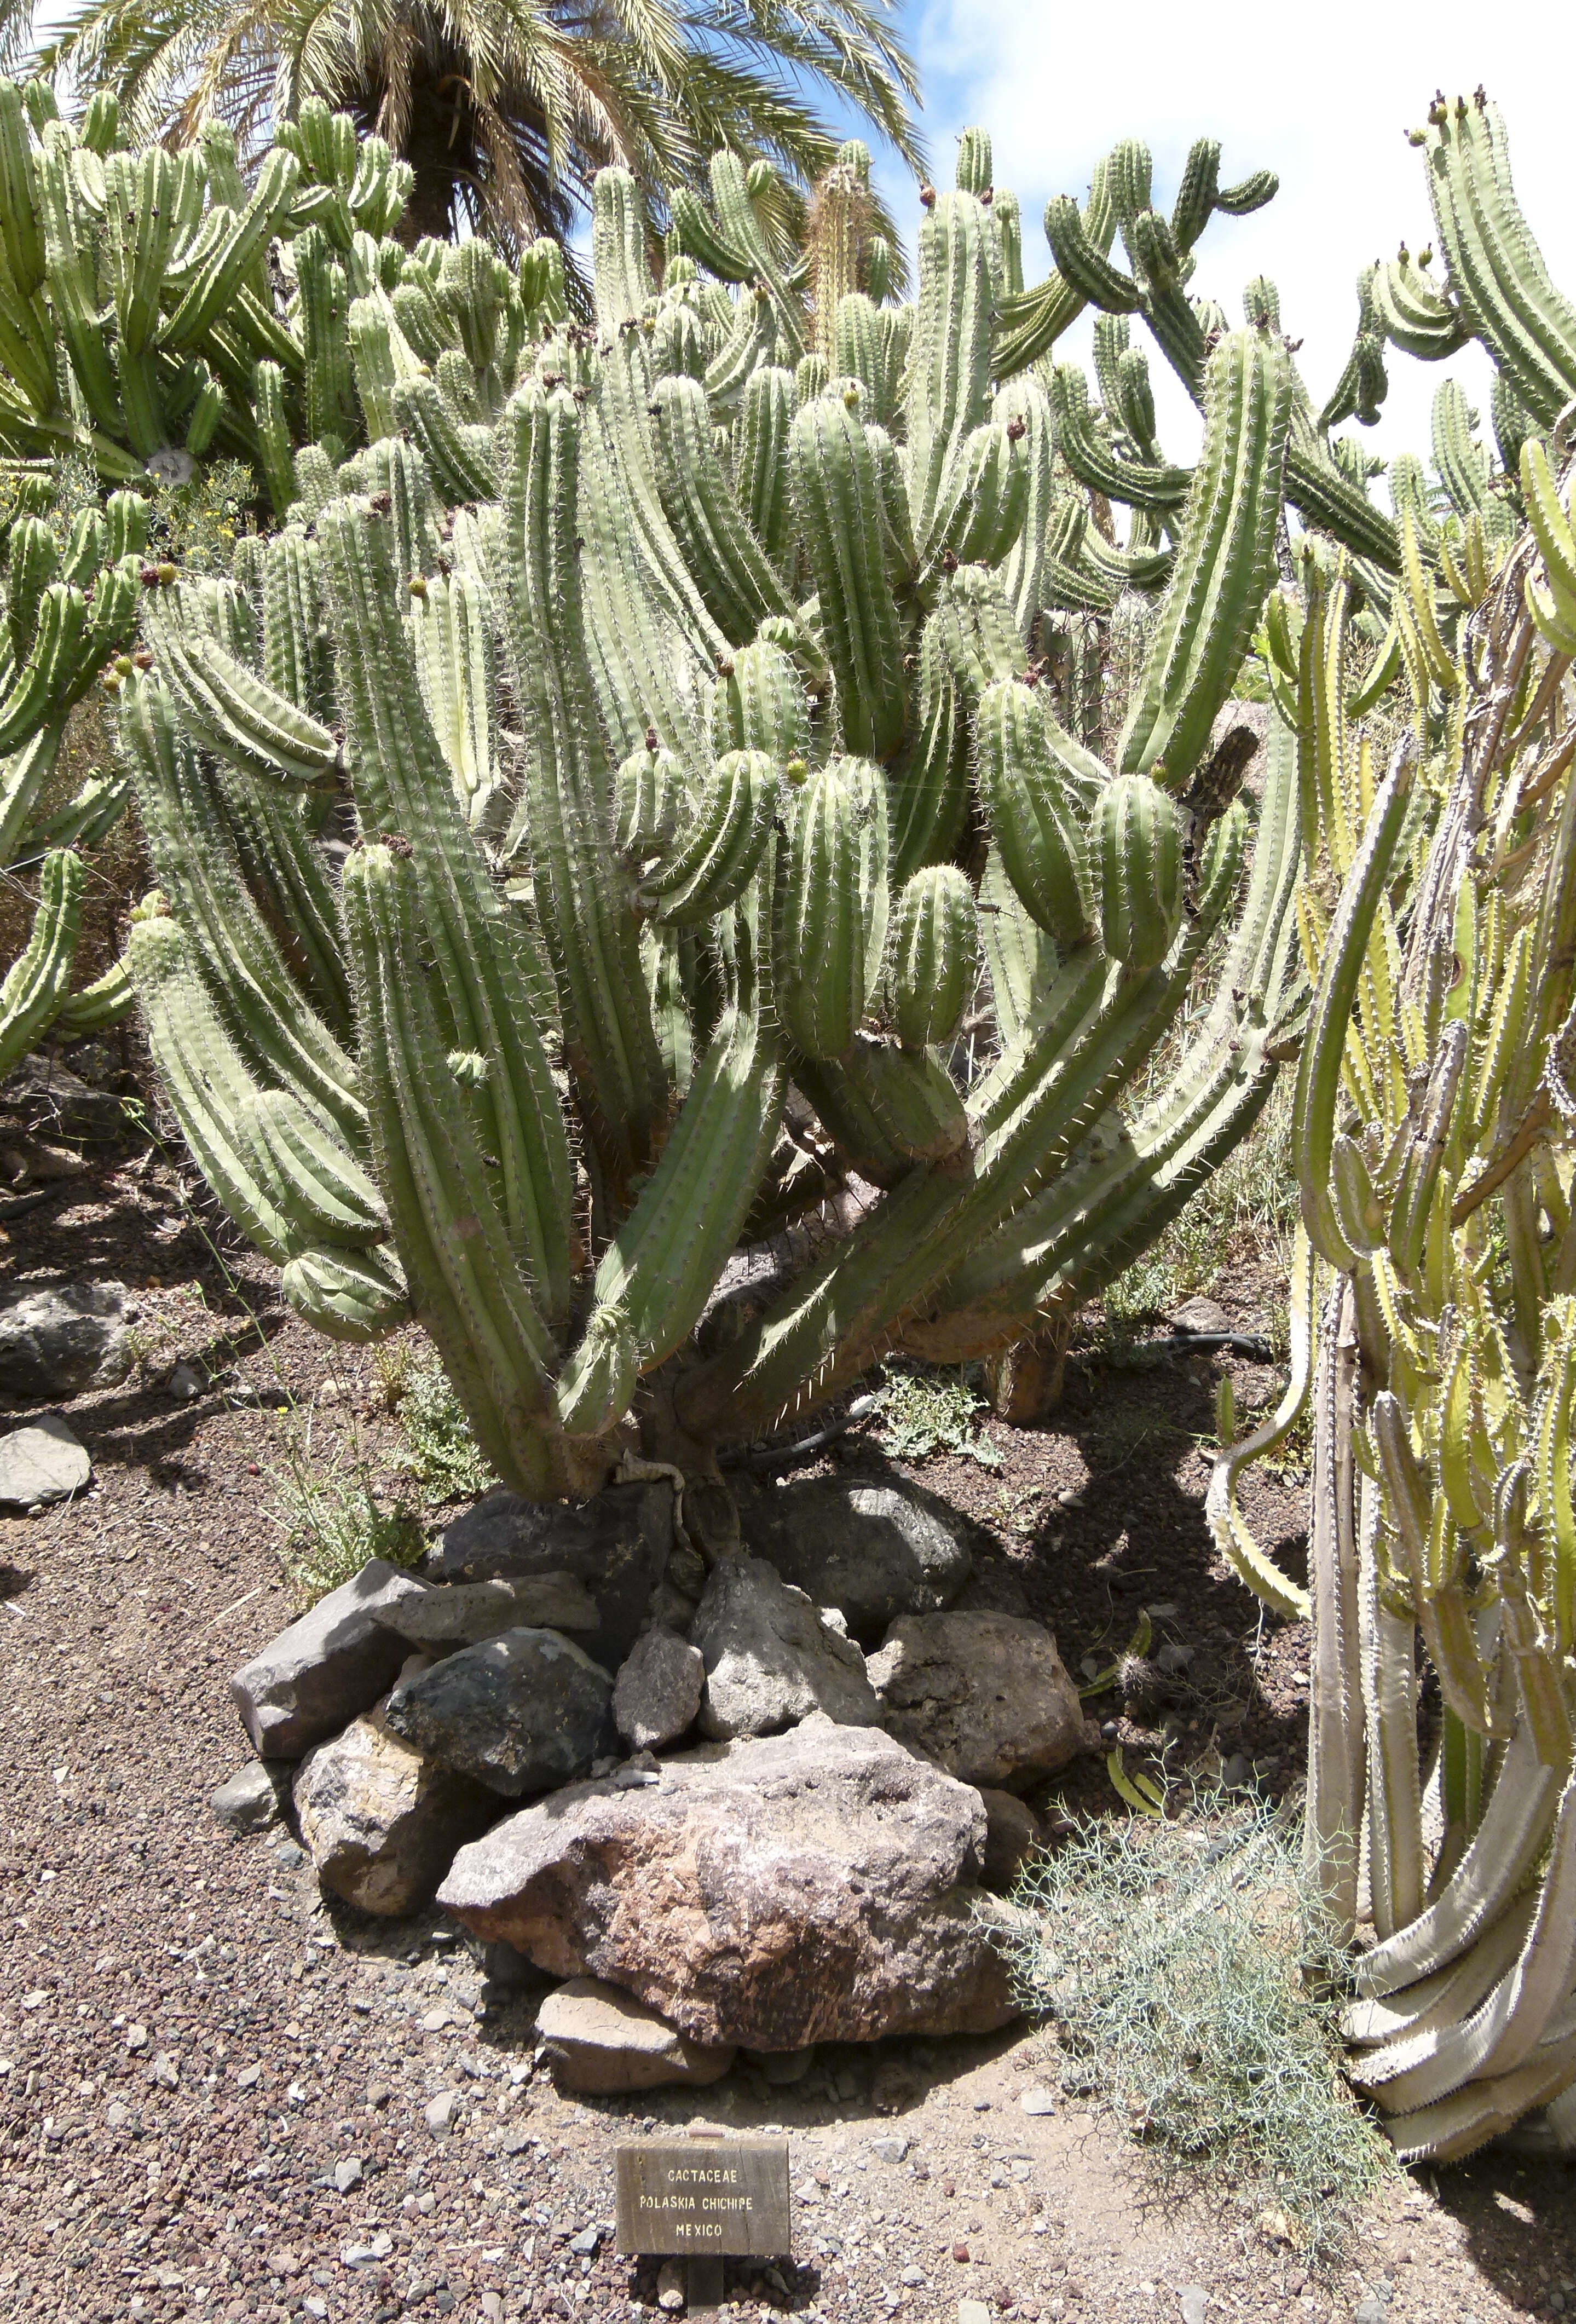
(1193, 2300)
(1038, 2101)
(347, 2173)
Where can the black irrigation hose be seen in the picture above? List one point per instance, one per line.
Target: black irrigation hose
(12, 1207)
(794, 1456)
(1184, 1343)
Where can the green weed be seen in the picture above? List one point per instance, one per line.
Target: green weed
(332, 1523)
(926, 1412)
(437, 1447)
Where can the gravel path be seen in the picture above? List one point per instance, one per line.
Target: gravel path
(218, 2096)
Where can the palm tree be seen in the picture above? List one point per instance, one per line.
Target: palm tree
(507, 108)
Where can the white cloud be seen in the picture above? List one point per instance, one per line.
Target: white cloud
(1323, 97)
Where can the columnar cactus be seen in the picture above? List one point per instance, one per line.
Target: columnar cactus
(1118, 459)
(683, 690)
(1432, 1313)
(68, 604)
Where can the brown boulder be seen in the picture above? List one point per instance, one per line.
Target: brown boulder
(817, 1886)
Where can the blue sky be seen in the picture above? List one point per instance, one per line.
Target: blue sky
(1322, 95)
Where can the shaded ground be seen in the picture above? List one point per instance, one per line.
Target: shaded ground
(190, 2042)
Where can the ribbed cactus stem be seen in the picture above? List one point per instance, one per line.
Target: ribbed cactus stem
(35, 982)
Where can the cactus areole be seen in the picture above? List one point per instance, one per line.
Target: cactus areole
(627, 894)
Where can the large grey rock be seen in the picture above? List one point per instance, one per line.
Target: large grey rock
(816, 1886)
(771, 1658)
(617, 1545)
(470, 1611)
(657, 1692)
(66, 1339)
(872, 1551)
(984, 1695)
(381, 1822)
(521, 1712)
(252, 1800)
(602, 2041)
(54, 1100)
(42, 1463)
(327, 1667)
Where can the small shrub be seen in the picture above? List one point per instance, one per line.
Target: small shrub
(926, 1412)
(438, 1449)
(1194, 1992)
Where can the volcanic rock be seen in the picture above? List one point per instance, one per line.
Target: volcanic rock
(872, 1551)
(820, 1886)
(618, 1545)
(327, 1667)
(65, 1340)
(657, 1692)
(521, 1712)
(984, 1695)
(601, 2040)
(770, 1658)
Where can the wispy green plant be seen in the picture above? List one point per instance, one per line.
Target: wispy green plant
(332, 1521)
(1191, 1985)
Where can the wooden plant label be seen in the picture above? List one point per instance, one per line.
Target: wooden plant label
(703, 2195)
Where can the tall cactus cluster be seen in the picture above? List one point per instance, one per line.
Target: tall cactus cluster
(626, 895)
(70, 605)
(1434, 1291)
(140, 329)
